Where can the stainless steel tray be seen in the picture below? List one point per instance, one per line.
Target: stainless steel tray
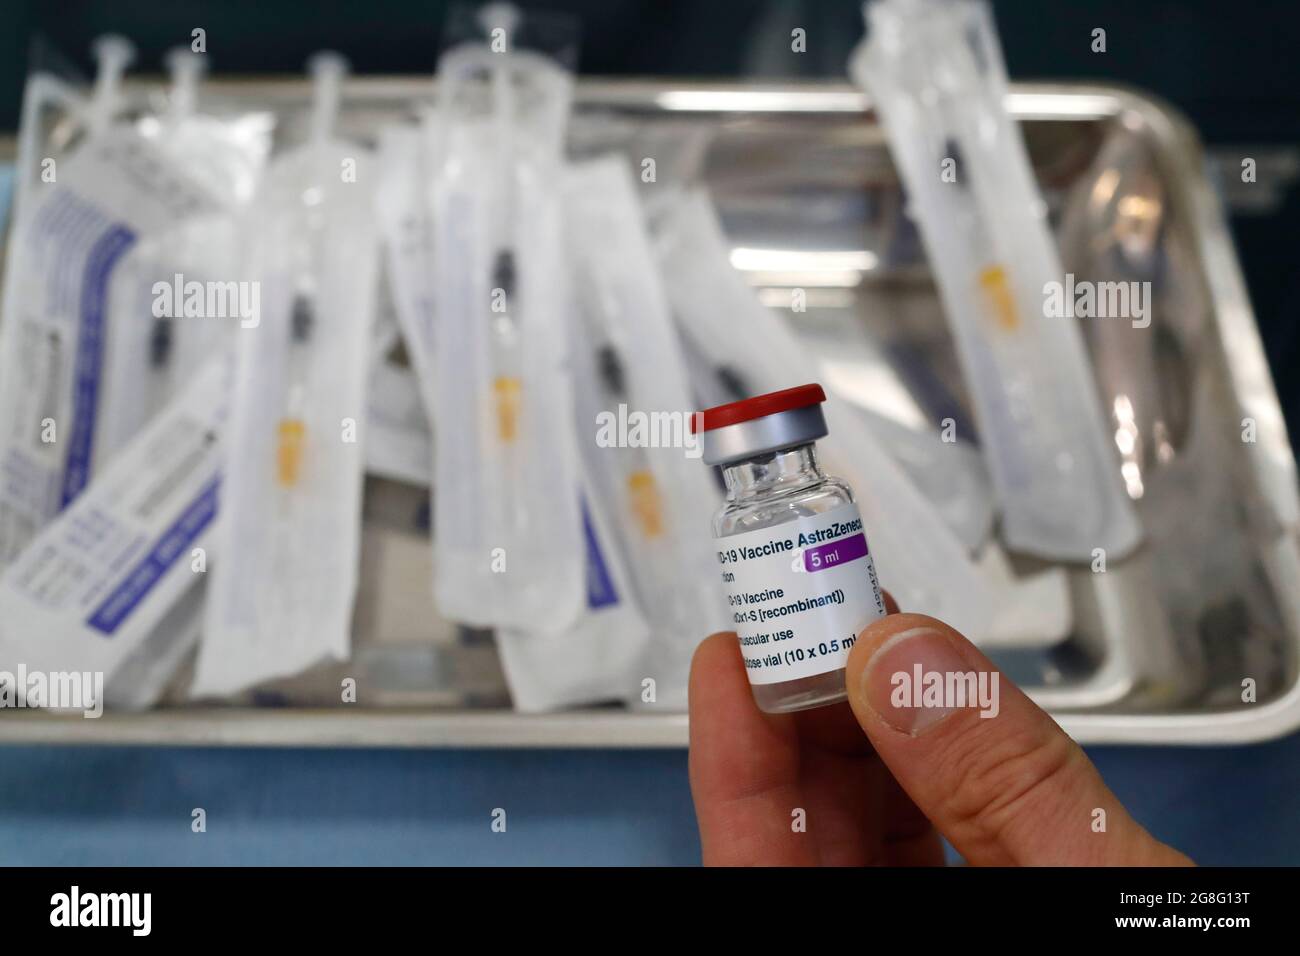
(804, 169)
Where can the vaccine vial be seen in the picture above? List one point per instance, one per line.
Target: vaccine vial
(792, 551)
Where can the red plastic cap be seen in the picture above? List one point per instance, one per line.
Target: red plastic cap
(760, 406)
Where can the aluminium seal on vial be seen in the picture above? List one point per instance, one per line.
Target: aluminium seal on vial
(792, 551)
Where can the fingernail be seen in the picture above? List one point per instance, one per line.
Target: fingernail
(895, 679)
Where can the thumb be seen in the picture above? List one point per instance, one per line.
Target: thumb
(991, 770)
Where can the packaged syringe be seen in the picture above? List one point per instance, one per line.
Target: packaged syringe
(507, 525)
(936, 78)
(76, 225)
(292, 500)
(96, 584)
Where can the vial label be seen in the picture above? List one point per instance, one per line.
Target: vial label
(799, 593)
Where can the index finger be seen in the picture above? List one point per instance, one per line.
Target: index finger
(744, 766)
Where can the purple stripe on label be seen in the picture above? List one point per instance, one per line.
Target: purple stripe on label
(836, 553)
(135, 587)
(103, 255)
(600, 586)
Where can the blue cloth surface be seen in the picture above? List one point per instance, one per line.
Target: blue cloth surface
(132, 806)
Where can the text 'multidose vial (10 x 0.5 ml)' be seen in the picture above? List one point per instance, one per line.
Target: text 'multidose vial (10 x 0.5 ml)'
(791, 549)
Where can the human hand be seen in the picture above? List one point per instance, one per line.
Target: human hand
(877, 784)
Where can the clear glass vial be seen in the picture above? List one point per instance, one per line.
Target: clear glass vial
(766, 448)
